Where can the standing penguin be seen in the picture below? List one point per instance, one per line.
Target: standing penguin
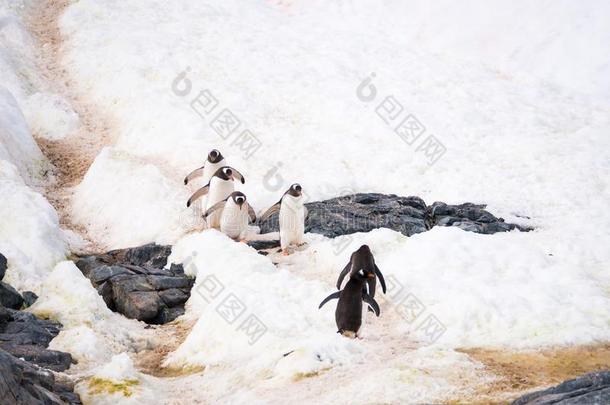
(219, 188)
(236, 212)
(363, 259)
(348, 314)
(292, 217)
(214, 162)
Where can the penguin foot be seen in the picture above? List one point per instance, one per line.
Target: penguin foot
(285, 252)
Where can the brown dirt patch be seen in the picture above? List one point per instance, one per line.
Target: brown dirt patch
(522, 372)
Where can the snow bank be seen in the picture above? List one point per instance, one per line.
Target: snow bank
(277, 311)
(127, 202)
(30, 236)
(117, 382)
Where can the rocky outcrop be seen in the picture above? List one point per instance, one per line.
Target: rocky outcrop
(134, 282)
(3, 266)
(408, 215)
(593, 388)
(24, 384)
(9, 297)
(25, 336)
(25, 360)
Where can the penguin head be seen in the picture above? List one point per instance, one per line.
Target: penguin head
(364, 274)
(295, 190)
(225, 173)
(215, 156)
(238, 198)
(363, 259)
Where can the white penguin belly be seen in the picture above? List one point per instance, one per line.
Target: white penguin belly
(292, 224)
(209, 169)
(219, 190)
(234, 221)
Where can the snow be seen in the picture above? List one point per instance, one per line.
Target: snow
(517, 92)
(30, 236)
(129, 203)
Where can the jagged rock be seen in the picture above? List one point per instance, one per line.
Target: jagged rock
(140, 305)
(3, 266)
(9, 297)
(24, 384)
(174, 296)
(24, 335)
(29, 298)
(592, 388)
(264, 244)
(150, 255)
(169, 314)
(50, 359)
(408, 215)
(133, 282)
(469, 217)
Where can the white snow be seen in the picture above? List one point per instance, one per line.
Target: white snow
(127, 202)
(517, 92)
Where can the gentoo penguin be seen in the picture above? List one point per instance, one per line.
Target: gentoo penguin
(363, 259)
(348, 314)
(219, 188)
(236, 212)
(214, 162)
(292, 217)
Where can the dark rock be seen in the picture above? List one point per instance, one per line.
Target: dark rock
(24, 328)
(169, 314)
(469, 217)
(50, 359)
(592, 388)
(140, 305)
(102, 273)
(165, 282)
(173, 297)
(3, 266)
(9, 297)
(107, 293)
(29, 298)
(264, 244)
(150, 255)
(408, 215)
(130, 281)
(23, 384)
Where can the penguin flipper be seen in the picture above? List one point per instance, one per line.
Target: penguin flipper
(344, 272)
(381, 280)
(272, 210)
(218, 206)
(202, 191)
(330, 297)
(251, 213)
(195, 173)
(372, 303)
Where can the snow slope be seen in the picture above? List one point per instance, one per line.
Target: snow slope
(30, 236)
(517, 92)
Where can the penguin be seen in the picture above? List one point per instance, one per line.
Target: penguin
(218, 188)
(214, 162)
(292, 217)
(348, 314)
(236, 212)
(363, 259)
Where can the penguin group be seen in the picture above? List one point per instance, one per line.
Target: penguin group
(230, 212)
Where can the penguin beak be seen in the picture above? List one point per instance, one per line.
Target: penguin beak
(370, 275)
